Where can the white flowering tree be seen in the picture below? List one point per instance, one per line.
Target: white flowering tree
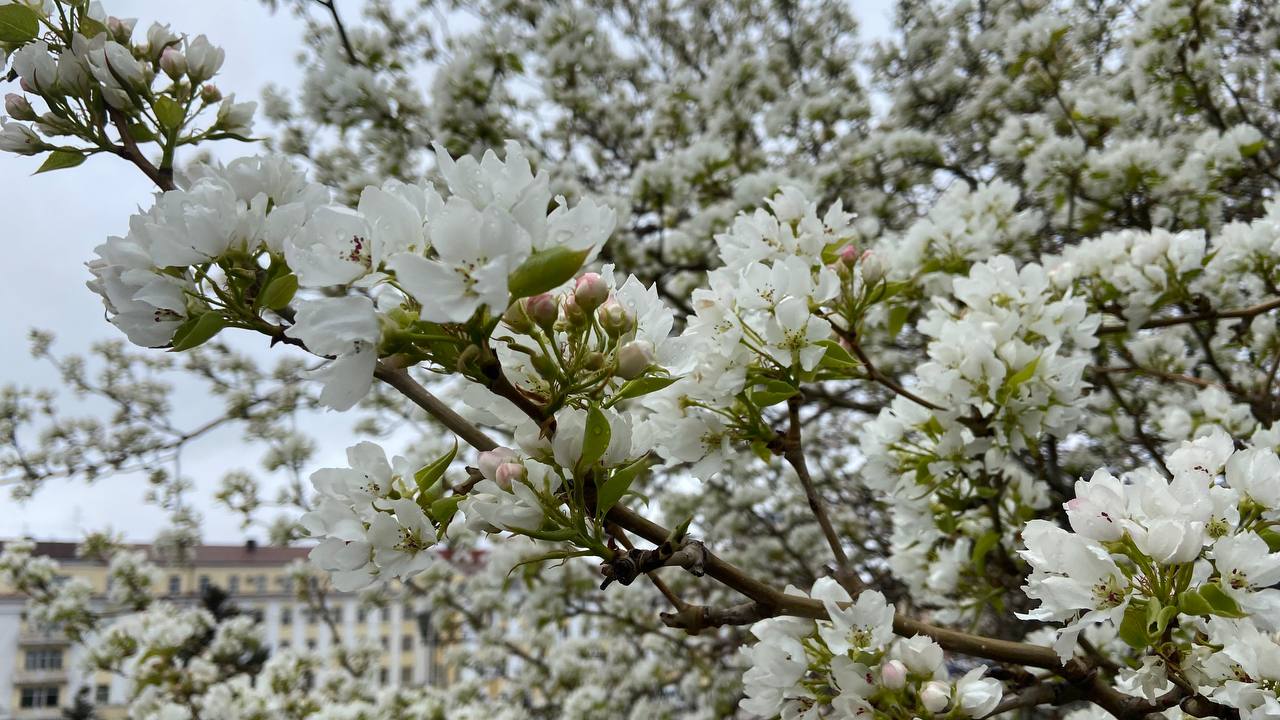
(786, 405)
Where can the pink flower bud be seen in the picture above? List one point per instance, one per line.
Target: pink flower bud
(590, 291)
(542, 310)
(893, 675)
(634, 358)
(873, 268)
(17, 107)
(614, 318)
(173, 63)
(573, 312)
(490, 460)
(936, 696)
(848, 254)
(509, 473)
(210, 94)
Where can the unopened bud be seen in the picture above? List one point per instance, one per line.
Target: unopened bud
(542, 310)
(893, 675)
(515, 318)
(614, 318)
(17, 107)
(634, 358)
(848, 255)
(590, 291)
(873, 268)
(173, 63)
(210, 94)
(490, 460)
(573, 312)
(509, 473)
(120, 29)
(936, 696)
(594, 361)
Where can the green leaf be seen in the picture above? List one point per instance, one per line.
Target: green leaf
(837, 357)
(1221, 602)
(197, 330)
(642, 386)
(141, 133)
(428, 475)
(898, 315)
(1158, 617)
(58, 159)
(613, 489)
(90, 27)
(545, 270)
(595, 438)
(1023, 375)
(1193, 603)
(443, 510)
(982, 548)
(771, 392)
(1272, 538)
(1133, 628)
(168, 112)
(279, 292)
(18, 24)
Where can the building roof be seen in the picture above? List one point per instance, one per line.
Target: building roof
(249, 553)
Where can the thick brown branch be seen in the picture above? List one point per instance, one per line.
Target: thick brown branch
(131, 152)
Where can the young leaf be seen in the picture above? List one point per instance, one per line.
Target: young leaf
(168, 112)
(1193, 603)
(279, 292)
(595, 438)
(897, 318)
(545, 270)
(59, 159)
(18, 24)
(612, 490)
(1133, 628)
(428, 475)
(197, 330)
(982, 548)
(443, 510)
(642, 386)
(1221, 602)
(771, 392)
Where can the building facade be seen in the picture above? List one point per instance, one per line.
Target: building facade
(41, 671)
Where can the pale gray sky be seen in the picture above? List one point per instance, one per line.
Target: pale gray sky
(54, 221)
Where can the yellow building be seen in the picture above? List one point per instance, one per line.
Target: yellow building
(41, 671)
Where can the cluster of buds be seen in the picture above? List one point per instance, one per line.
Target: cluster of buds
(870, 265)
(87, 60)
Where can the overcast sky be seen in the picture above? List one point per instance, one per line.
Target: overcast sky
(53, 222)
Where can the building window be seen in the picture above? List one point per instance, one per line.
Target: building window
(39, 696)
(406, 675)
(204, 584)
(260, 584)
(361, 615)
(233, 584)
(406, 642)
(284, 644)
(286, 616)
(383, 676)
(311, 616)
(311, 644)
(386, 642)
(50, 659)
(102, 695)
(175, 584)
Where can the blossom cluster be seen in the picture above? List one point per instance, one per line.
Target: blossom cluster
(1188, 561)
(852, 666)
